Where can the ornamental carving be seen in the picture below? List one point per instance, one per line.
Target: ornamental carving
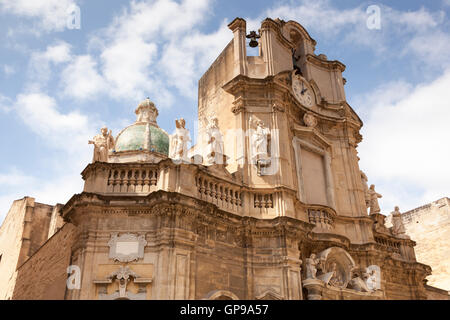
(310, 120)
(332, 266)
(127, 247)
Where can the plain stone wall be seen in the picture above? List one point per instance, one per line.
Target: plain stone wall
(43, 276)
(10, 246)
(429, 226)
(22, 233)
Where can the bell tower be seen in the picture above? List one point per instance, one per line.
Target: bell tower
(291, 102)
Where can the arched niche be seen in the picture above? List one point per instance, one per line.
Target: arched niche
(339, 262)
(221, 295)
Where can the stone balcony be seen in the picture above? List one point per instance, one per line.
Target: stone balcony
(211, 184)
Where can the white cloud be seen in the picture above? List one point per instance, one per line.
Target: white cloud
(5, 103)
(41, 63)
(405, 148)
(184, 60)
(126, 66)
(420, 32)
(40, 113)
(50, 15)
(432, 48)
(8, 70)
(81, 78)
(54, 189)
(148, 49)
(320, 16)
(67, 134)
(14, 178)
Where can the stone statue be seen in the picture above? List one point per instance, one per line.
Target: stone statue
(102, 144)
(374, 206)
(358, 284)
(336, 278)
(372, 277)
(179, 141)
(398, 229)
(366, 188)
(311, 264)
(214, 148)
(260, 139)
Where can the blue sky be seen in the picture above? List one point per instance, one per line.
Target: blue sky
(58, 86)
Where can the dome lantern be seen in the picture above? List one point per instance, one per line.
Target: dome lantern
(147, 112)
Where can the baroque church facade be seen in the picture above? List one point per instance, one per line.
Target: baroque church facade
(270, 203)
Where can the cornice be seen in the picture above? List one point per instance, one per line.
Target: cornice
(326, 64)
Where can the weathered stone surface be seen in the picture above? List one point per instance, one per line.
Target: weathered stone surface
(44, 275)
(244, 218)
(429, 226)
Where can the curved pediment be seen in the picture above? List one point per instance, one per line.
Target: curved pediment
(295, 29)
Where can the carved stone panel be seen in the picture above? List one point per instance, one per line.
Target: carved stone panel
(127, 247)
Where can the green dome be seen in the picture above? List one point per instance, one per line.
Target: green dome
(133, 138)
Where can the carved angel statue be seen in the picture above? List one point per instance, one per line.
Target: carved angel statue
(374, 206)
(102, 142)
(179, 141)
(260, 138)
(214, 147)
(311, 264)
(398, 228)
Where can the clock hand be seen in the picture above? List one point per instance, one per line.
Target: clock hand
(303, 89)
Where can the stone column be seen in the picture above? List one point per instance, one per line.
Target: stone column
(266, 41)
(238, 26)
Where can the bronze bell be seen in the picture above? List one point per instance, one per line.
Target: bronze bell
(253, 36)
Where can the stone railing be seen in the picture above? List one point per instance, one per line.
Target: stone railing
(322, 218)
(392, 246)
(144, 178)
(223, 194)
(262, 200)
(132, 180)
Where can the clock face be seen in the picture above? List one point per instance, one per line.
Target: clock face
(302, 91)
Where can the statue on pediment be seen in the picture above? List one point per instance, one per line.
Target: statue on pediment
(214, 140)
(365, 188)
(398, 228)
(179, 141)
(311, 266)
(102, 142)
(373, 205)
